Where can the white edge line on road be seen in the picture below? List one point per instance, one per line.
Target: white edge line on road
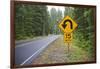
(31, 56)
(36, 53)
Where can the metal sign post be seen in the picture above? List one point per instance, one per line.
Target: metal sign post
(68, 48)
(68, 25)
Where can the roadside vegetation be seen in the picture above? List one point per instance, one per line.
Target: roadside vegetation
(35, 20)
(57, 52)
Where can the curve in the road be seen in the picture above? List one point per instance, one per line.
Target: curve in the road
(26, 52)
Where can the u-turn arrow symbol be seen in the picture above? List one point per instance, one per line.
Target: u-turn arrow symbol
(64, 24)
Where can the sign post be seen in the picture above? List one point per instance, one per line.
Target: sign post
(68, 25)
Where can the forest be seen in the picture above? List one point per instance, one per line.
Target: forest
(35, 20)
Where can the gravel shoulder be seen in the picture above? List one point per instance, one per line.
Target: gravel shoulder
(57, 52)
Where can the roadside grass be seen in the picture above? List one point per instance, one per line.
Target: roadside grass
(77, 54)
(57, 52)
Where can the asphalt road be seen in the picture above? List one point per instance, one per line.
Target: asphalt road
(25, 53)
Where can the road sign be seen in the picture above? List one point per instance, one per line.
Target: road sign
(68, 25)
(67, 37)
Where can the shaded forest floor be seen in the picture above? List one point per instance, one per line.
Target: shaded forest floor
(57, 52)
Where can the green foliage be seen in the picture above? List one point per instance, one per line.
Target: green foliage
(84, 36)
(54, 18)
(69, 11)
(30, 21)
(36, 20)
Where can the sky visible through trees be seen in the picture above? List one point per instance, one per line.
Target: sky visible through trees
(42, 20)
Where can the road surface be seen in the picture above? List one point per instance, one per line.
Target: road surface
(25, 53)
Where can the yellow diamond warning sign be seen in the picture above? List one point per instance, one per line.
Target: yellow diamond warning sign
(68, 25)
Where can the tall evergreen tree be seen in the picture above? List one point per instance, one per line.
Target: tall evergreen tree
(31, 20)
(55, 17)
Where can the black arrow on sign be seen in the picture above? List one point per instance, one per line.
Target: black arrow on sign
(64, 24)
